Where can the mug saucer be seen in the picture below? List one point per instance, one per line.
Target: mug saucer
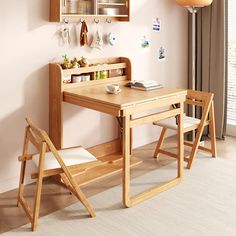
(111, 92)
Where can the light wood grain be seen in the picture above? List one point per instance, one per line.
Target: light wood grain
(55, 105)
(180, 140)
(126, 161)
(154, 117)
(130, 99)
(39, 185)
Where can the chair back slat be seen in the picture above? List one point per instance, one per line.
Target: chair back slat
(198, 95)
(34, 140)
(38, 136)
(195, 103)
(199, 99)
(38, 133)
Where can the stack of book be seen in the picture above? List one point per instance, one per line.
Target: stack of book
(145, 85)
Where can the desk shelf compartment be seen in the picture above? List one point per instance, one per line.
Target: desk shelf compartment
(117, 70)
(57, 87)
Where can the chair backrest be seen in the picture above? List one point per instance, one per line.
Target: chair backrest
(200, 99)
(37, 136)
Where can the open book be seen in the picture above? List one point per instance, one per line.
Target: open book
(145, 84)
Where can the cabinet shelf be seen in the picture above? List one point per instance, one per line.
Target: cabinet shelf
(102, 11)
(111, 4)
(90, 69)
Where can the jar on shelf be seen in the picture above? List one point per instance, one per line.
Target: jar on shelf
(72, 6)
(84, 7)
(116, 72)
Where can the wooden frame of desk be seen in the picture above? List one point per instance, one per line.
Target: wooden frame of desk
(123, 106)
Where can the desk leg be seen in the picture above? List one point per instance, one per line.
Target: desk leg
(180, 142)
(129, 201)
(131, 138)
(126, 161)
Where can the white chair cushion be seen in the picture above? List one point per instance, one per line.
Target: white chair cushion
(73, 156)
(170, 123)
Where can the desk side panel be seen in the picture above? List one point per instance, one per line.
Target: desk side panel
(55, 105)
(128, 69)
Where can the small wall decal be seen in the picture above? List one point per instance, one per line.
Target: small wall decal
(156, 25)
(161, 54)
(145, 43)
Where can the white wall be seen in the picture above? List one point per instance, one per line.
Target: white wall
(29, 42)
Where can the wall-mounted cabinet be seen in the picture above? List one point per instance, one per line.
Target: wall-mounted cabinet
(89, 10)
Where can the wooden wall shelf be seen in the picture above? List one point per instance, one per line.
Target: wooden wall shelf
(99, 10)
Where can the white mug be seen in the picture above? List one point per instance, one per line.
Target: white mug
(113, 88)
(76, 78)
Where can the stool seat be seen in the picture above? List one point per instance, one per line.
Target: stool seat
(170, 123)
(72, 156)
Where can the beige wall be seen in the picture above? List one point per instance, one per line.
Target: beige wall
(29, 42)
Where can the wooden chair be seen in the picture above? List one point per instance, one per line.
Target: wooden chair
(194, 98)
(50, 163)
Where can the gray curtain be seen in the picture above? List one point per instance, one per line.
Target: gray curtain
(211, 58)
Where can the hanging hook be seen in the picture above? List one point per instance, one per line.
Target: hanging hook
(96, 20)
(108, 21)
(81, 20)
(65, 21)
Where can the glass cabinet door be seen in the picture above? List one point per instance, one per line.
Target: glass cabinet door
(104, 10)
(112, 7)
(79, 7)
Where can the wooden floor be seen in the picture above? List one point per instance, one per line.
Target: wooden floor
(56, 197)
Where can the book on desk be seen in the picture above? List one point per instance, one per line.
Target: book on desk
(145, 85)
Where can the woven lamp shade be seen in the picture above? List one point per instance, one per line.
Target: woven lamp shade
(195, 3)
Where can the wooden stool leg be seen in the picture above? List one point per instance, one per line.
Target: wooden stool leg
(159, 143)
(193, 151)
(69, 181)
(212, 130)
(21, 182)
(23, 167)
(85, 202)
(39, 186)
(37, 203)
(195, 146)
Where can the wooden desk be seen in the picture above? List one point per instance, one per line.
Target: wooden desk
(124, 105)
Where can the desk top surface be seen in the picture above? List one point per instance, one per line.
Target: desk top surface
(125, 98)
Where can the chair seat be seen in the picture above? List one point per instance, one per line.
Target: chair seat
(72, 156)
(170, 123)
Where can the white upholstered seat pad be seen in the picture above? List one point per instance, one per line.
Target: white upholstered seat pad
(170, 123)
(73, 156)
